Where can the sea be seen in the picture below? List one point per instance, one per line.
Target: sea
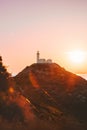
(83, 76)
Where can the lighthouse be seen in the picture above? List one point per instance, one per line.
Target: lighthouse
(42, 60)
(38, 56)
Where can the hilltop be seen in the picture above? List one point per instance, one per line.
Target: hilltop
(44, 97)
(55, 94)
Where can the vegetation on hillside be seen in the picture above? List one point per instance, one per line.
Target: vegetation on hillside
(43, 97)
(51, 86)
(4, 77)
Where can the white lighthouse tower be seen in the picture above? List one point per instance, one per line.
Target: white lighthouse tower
(38, 56)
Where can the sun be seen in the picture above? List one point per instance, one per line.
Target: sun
(77, 56)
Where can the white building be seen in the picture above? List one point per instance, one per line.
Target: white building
(42, 60)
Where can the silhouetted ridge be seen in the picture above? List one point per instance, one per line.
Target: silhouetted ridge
(51, 86)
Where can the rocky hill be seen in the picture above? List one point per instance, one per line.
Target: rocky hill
(55, 94)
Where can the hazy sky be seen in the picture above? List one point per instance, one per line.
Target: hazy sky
(54, 27)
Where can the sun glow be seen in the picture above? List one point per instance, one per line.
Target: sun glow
(77, 56)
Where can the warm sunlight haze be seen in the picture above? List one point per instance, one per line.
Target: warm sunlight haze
(43, 64)
(52, 27)
(77, 57)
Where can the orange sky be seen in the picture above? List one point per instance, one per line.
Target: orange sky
(54, 27)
